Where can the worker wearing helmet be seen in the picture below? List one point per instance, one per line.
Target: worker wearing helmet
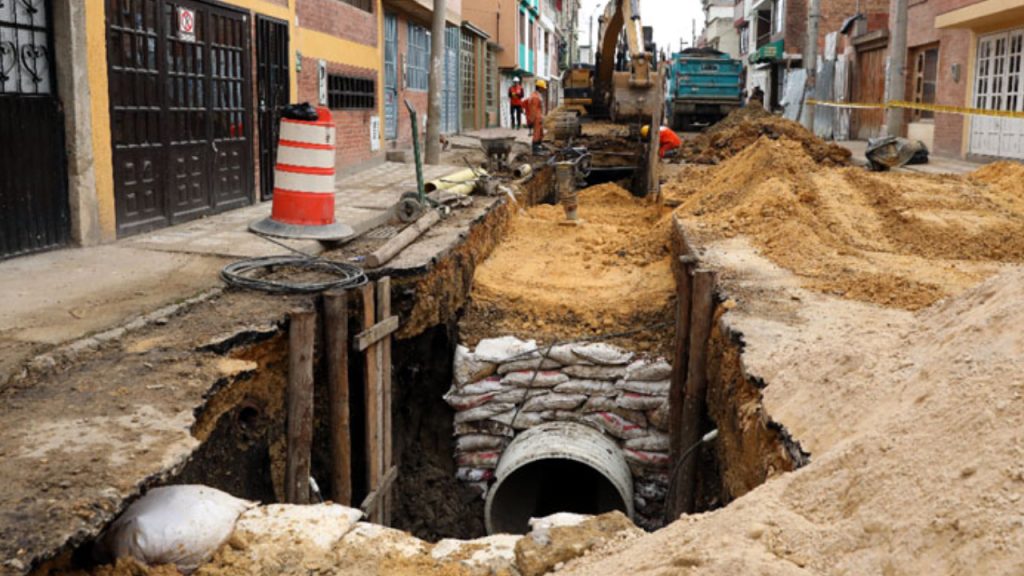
(515, 103)
(535, 115)
(669, 141)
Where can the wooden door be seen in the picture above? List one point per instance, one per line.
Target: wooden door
(869, 88)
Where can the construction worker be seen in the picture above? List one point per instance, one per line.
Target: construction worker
(515, 103)
(669, 141)
(535, 115)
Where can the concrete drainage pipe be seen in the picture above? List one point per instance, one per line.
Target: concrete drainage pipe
(557, 467)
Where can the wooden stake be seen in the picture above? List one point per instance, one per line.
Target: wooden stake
(373, 401)
(395, 245)
(680, 360)
(384, 348)
(301, 333)
(336, 352)
(701, 314)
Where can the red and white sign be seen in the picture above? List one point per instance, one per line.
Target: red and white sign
(186, 25)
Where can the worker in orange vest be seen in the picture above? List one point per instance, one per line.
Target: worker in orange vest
(535, 115)
(515, 103)
(669, 141)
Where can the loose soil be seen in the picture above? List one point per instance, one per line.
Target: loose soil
(745, 126)
(894, 239)
(551, 281)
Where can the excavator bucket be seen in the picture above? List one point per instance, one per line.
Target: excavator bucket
(632, 101)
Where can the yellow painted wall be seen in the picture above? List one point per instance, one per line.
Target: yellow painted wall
(309, 42)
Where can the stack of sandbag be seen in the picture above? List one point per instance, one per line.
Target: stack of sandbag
(506, 385)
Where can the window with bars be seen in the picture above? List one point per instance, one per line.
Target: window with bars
(361, 4)
(468, 73)
(347, 92)
(418, 62)
(490, 81)
(926, 69)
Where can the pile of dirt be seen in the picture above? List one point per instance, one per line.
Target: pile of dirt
(747, 125)
(894, 239)
(927, 480)
(552, 282)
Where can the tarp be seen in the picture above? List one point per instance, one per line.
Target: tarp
(823, 92)
(840, 92)
(793, 93)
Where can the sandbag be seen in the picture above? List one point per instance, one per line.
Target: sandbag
(467, 402)
(634, 401)
(598, 404)
(468, 368)
(602, 354)
(554, 401)
(588, 387)
(474, 474)
(645, 458)
(534, 379)
(181, 525)
(477, 442)
(489, 427)
(658, 388)
(269, 530)
(484, 459)
(589, 372)
(490, 384)
(504, 418)
(649, 370)
(616, 425)
(483, 412)
(530, 364)
(654, 441)
(524, 420)
(659, 417)
(506, 348)
(563, 354)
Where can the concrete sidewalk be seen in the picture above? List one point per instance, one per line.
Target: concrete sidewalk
(61, 296)
(935, 165)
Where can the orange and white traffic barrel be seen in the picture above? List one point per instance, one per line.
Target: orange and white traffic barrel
(303, 205)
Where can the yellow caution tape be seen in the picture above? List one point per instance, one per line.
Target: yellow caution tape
(920, 106)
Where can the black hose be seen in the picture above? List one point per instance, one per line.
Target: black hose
(241, 274)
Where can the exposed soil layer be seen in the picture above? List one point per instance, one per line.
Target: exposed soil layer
(745, 126)
(914, 422)
(902, 240)
(551, 281)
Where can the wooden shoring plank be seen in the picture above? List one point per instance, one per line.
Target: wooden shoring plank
(374, 334)
(336, 353)
(299, 433)
(372, 400)
(384, 312)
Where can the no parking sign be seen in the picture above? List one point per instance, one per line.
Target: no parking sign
(186, 25)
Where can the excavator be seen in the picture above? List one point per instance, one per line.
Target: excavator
(623, 84)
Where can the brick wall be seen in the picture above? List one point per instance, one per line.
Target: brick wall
(352, 126)
(339, 19)
(833, 14)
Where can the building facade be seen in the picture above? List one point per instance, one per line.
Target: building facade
(719, 31)
(154, 112)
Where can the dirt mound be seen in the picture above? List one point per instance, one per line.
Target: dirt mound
(929, 481)
(550, 281)
(747, 125)
(902, 240)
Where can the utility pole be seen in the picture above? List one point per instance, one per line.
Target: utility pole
(811, 60)
(897, 67)
(435, 82)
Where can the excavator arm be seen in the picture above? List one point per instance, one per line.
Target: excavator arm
(624, 94)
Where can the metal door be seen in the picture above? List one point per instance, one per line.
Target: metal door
(390, 76)
(450, 89)
(180, 111)
(274, 89)
(33, 184)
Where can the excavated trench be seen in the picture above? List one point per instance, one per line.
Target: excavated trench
(241, 426)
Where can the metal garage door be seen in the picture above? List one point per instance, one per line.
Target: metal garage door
(180, 106)
(33, 187)
(999, 85)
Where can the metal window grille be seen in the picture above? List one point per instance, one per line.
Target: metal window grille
(490, 89)
(346, 92)
(418, 62)
(361, 4)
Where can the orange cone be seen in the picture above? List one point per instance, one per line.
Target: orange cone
(304, 183)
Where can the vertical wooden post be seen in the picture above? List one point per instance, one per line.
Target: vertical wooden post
(701, 315)
(301, 333)
(680, 358)
(373, 401)
(384, 350)
(336, 353)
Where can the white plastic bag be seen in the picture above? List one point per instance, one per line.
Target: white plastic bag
(503, 349)
(181, 525)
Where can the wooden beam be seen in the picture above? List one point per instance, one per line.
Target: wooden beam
(383, 313)
(379, 331)
(701, 316)
(301, 332)
(373, 500)
(336, 353)
(372, 399)
(392, 247)
(680, 361)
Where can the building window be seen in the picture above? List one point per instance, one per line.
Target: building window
(522, 28)
(418, 62)
(490, 90)
(347, 92)
(361, 4)
(926, 69)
